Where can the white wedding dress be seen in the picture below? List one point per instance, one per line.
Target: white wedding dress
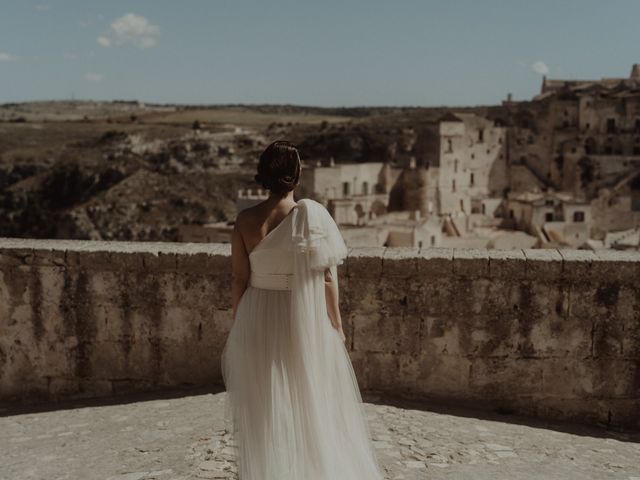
(292, 394)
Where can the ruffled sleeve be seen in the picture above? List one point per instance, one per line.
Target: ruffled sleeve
(319, 236)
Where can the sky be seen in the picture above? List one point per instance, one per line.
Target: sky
(322, 52)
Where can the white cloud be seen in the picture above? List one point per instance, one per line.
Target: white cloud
(42, 8)
(94, 77)
(5, 57)
(540, 68)
(104, 41)
(133, 29)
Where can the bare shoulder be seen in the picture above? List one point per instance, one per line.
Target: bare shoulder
(247, 217)
(310, 202)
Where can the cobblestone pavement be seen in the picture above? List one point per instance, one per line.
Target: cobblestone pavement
(187, 438)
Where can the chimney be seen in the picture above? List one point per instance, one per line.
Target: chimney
(635, 71)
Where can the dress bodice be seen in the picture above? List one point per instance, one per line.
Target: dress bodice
(273, 253)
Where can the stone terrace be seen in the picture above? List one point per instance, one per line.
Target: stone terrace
(186, 437)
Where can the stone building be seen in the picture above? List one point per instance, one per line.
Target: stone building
(249, 197)
(578, 136)
(464, 164)
(555, 218)
(352, 192)
(617, 208)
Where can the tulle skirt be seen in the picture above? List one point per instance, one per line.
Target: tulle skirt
(286, 425)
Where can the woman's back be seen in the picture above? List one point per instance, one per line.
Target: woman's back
(272, 254)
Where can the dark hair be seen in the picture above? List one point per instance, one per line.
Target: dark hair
(279, 167)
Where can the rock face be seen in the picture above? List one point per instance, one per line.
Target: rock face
(547, 333)
(120, 185)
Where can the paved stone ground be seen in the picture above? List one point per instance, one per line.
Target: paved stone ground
(186, 437)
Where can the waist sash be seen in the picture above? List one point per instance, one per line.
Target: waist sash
(271, 281)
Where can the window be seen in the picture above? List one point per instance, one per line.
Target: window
(480, 135)
(345, 188)
(433, 240)
(511, 214)
(462, 205)
(548, 217)
(449, 145)
(365, 188)
(638, 124)
(549, 202)
(473, 155)
(578, 216)
(471, 179)
(455, 166)
(611, 125)
(453, 185)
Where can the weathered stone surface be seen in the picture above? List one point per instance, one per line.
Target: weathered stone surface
(365, 262)
(188, 437)
(471, 262)
(543, 263)
(400, 261)
(554, 333)
(434, 262)
(507, 264)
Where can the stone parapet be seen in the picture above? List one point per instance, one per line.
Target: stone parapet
(548, 333)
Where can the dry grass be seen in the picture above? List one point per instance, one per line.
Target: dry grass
(243, 117)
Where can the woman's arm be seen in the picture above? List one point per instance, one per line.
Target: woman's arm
(333, 306)
(240, 268)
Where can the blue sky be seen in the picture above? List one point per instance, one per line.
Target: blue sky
(323, 52)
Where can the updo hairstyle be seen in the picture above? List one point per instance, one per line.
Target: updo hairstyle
(279, 167)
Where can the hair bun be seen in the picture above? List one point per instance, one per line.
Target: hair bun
(279, 167)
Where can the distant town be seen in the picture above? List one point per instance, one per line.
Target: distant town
(559, 171)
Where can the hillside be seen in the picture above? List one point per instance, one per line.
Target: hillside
(129, 171)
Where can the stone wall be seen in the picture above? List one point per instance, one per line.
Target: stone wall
(549, 333)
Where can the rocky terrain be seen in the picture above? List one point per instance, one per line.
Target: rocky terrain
(129, 171)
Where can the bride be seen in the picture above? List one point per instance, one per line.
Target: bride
(292, 394)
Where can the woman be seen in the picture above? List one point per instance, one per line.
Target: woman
(292, 396)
